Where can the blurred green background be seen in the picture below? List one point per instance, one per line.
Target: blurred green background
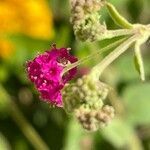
(31, 26)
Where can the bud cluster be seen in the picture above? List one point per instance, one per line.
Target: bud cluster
(80, 8)
(86, 19)
(92, 119)
(86, 98)
(84, 91)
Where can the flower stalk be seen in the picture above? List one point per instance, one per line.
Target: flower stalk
(98, 69)
(26, 128)
(109, 34)
(92, 56)
(139, 61)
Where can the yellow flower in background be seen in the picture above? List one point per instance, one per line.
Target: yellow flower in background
(6, 48)
(30, 17)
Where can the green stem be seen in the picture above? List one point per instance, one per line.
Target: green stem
(118, 19)
(27, 129)
(98, 69)
(92, 55)
(116, 33)
(139, 61)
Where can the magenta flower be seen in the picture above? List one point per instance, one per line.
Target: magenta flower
(45, 71)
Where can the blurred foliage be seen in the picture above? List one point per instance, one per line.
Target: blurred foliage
(28, 27)
(137, 95)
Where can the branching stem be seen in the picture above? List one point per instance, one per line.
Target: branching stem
(116, 33)
(98, 69)
(112, 45)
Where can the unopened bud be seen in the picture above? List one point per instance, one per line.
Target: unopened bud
(94, 119)
(86, 19)
(84, 91)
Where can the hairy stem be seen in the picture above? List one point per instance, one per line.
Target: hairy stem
(92, 55)
(116, 33)
(98, 69)
(139, 61)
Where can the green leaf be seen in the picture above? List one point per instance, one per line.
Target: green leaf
(121, 135)
(137, 100)
(125, 69)
(117, 133)
(118, 19)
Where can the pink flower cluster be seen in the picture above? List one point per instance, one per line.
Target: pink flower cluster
(45, 71)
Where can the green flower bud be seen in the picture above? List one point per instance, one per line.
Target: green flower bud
(84, 91)
(85, 98)
(93, 5)
(90, 28)
(86, 19)
(94, 119)
(105, 115)
(81, 8)
(86, 118)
